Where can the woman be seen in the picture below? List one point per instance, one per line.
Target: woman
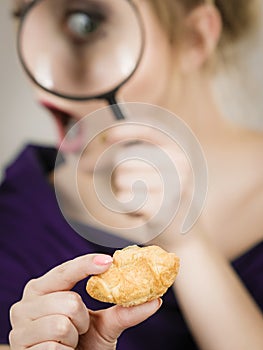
(216, 302)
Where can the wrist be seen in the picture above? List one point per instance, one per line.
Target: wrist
(175, 242)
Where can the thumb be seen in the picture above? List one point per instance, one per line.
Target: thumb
(114, 320)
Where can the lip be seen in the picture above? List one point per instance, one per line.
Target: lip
(63, 120)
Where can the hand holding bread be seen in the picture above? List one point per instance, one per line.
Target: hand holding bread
(51, 315)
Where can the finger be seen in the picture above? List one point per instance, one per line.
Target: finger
(134, 132)
(146, 206)
(65, 276)
(128, 165)
(68, 304)
(143, 153)
(126, 177)
(50, 345)
(112, 322)
(55, 328)
(159, 156)
(139, 182)
(92, 153)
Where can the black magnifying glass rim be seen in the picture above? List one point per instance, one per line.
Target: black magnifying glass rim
(108, 95)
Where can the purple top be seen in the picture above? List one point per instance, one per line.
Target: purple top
(34, 237)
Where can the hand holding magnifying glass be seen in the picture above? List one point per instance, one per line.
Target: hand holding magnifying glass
(88, 49)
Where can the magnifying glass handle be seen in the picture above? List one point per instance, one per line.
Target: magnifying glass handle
(115, 107)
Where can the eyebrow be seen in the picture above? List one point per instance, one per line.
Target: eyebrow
(19, 6)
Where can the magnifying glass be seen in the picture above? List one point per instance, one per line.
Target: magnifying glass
(81, 49)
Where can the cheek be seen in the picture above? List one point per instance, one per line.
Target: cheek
(150, 83)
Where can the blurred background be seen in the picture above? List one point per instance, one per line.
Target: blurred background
(22, 121)
(239, 90)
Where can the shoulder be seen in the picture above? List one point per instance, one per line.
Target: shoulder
(28, 211)
(23, 187)
(250, 142)
(246, 154)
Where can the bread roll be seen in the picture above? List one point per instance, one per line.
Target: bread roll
(136, 275)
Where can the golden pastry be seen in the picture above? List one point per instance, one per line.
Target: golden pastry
(136, 275)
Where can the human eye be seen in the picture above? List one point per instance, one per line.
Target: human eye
(80, 25)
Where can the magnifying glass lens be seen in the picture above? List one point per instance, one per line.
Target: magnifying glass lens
(80, 49)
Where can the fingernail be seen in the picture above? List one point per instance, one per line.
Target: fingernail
(102, 259)
(158, 302)
(103, 137)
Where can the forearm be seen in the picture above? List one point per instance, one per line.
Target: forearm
(220, 312)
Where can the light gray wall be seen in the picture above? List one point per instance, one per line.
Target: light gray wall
(241, 95)
(21, 120)
(240, 88)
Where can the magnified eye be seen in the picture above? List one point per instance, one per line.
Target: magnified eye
(80, 25)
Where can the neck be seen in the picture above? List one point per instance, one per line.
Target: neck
(197, 106)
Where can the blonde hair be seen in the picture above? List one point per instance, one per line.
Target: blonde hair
(239, 17)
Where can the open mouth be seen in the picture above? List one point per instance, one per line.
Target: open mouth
(70, 132)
